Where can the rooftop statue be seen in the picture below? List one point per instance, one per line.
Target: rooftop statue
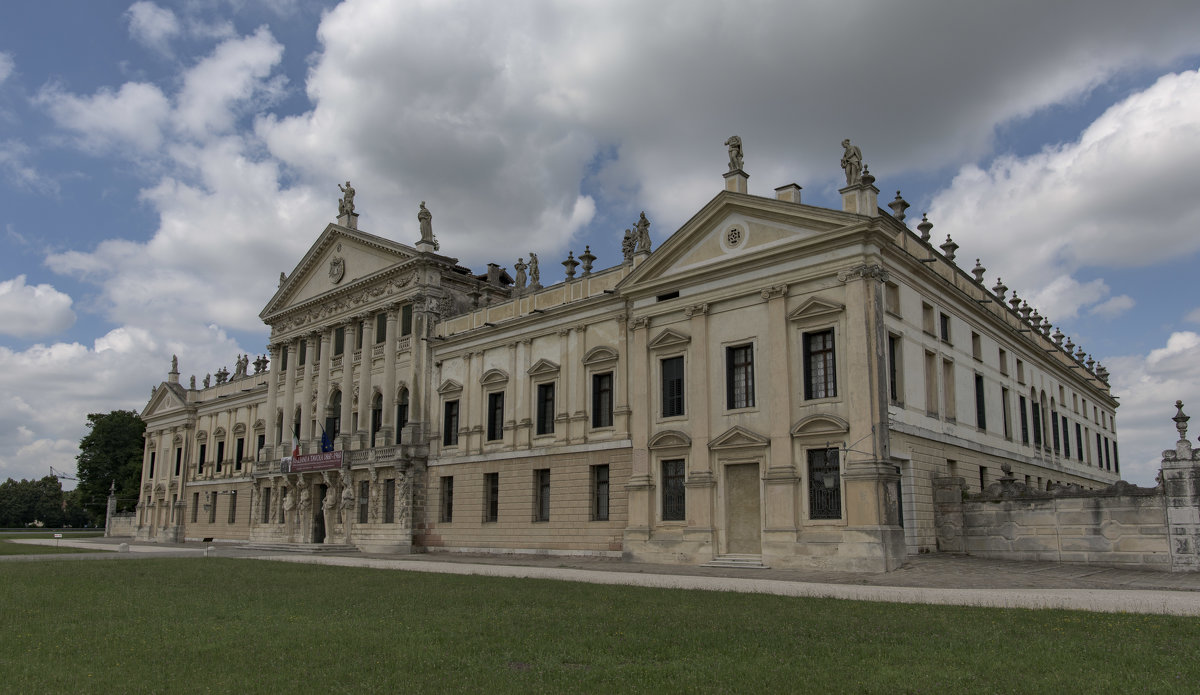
(643, 234)
(520, 268)
(852, 162)
(425, 217)
(734, 143)
(346, 204)
(535, 275)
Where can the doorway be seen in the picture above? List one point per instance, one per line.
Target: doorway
(743, 509)
(319, 514)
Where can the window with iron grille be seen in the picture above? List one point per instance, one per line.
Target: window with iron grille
(495, 421)
(672, 386)
(824, 484)
(739, 373)
(673, 508)
(491, 488)
(541, 481)
(545, 408)
(447, 511)
(364, 500)
(450, 424)
(602, 400)
(600, 493)
(820, 380)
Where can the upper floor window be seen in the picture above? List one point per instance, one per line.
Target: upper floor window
(602, 400)
(944, 327)
(672, 386)
(820, 379)
(406, 319)
(739, 376)
(891, 298)
(450, 423)
(545, 408)
(380, 327)
(339, 340)
(495, 421)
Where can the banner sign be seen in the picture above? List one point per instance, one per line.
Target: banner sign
(306, 463)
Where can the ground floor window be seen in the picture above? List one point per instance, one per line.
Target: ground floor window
(673, 508)
(600, 493)
(232, 506)
(541, 479)
(266, 504)
(389, 501)
(364, 500)
(824, 484)
(447, 514)
(491, 488)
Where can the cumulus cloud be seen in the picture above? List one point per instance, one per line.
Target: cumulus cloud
(6, 66)
(1113, 306)
(20, 173)
(130, 117)
(33, 311)
(152, 26)
(220, 86)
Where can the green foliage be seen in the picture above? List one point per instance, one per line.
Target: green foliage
(110, 452)
(223, 625)
(23, 502)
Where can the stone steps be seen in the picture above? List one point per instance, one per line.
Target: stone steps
(306, 548)
(736, 561)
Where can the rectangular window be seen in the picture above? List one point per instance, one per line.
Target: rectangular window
(948, 400)
(1020, 372)
(195, 506)
(1004, 411)
(339, 340)
(891, 298)
(239, 452)
(944, 327)
(358, 335)
(980, 404)
(983, 478)
(672, 491)
(495, 419)
(545, 408)
(380, 327)
(1099, 454)
(1107, 458)
(931, 396)
(1054, 430)
(265, 503)
(200, 463)
(389, 501)
(541, 482)
(894, 368)
(406, 319)
(491, 490)
(672, 386)
(1066, 437)
(450, 423)
(1024, 422)
(364, 500)
(927, 318)
(262, 442)
(739, 377)
(152, 464)
(447, 512)
(824, 484)
(820, 379)
(602, 400)
(303, 353)
(976, 346)
(1078, 442)
(600, 493)
(232, 505)
(220, 455)
(1003, 354)
(1116, 459)
(1036, 409)
(212, 507)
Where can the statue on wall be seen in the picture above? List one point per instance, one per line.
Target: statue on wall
(520, 268)
(535, 275)
(222, 376)
(734, 144)
(346, 204)
(305, 502)
(425, 217)
(174, 364)
(628, 245)
(643, 234)
(240, 365)
(851, 162)
(207, 380)
(192, 384)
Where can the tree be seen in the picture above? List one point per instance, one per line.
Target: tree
(110, 452)
(26, 501)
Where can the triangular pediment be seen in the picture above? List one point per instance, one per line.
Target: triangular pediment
(543, 367)
(668, 339)
(164, 401)
(738, 437)
(821, 426)
(815, 308)
(341, 258)
(732, 233)
(449, 386)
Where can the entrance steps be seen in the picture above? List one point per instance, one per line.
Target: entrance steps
(736, 561)
(306, 548)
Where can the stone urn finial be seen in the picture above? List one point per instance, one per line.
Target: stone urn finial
(1000, 288)
(978, 271)
(898, 206)
(948, 248)
(924, 227)
(1015, 301)
(1181, 421)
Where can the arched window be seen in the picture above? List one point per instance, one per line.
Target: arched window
(333, 423)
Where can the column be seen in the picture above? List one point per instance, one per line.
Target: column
(321, 411)
(289, 396)
(640, 486)
(701, 483)
(272, 400)
(387, 432)
(779, 503)
(306, 389)
(347, 385)
(364, 381)
(579, 389)
(566, 392)
(621, 379)
(521, 397)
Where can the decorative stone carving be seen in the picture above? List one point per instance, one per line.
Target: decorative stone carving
(337, 269)
(260, 364)
(570, 264)
(240, 365)
(628, 245)
(425, 218)
(773, 291)
(520, 266)
(734, 143)
(898, 206)
(222, 376)
(642, 233)
(207, 380)
(695, 310)
(924, 227)
(588, 258)
(851, 162)
(192, 383)
(346, 204)
(873, 271)
(535, 275)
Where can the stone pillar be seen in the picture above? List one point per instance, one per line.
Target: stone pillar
(306, 388)
(364, 380)
(701, 482)
(641, 485)
(110, 509)
(1181, 490)
(347, 432)
(414, 436)
(779, 503)
(272, 416)
(621, 379)
(566, 391)
(321, 411)
(579, 387)
(289, 396)
(948, 518)
(387, 433)
(523, 436)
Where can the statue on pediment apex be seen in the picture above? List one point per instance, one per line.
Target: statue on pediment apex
(346, 204)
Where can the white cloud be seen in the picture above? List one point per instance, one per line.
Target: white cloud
(29, 311)
(6, 66)
(220, 86)
(152, 26)
(1148, 386)
(16, 169)
(1193, 316)
(131, 117)
(1114, 306)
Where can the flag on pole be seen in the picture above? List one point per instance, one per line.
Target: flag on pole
(326, 442)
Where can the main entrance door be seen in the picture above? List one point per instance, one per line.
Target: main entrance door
(743, 513)
(319, 514)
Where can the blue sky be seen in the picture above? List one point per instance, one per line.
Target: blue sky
(160, 164)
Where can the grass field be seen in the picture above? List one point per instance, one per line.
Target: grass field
(10, 548)
(222, 625)
(49, 533)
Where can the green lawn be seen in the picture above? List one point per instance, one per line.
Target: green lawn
(10, 548)
(49, 533)
(222, 625)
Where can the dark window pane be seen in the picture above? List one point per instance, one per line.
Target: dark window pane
(673, 508)
(824, 484)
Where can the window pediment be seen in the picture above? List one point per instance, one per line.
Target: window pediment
(449, 386)
(669, 339)
(816, 308)
(494, 377)
(600, 355)
(738, 437)
(669, 439)
(821, 425)
(543, 367)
